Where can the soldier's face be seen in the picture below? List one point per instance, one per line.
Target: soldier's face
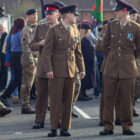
(133, 17)
(120, 14)
(52, 17)
(33, 18)
(72, 18)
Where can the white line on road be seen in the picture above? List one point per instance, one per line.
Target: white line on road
(18, 133)
(82, 113)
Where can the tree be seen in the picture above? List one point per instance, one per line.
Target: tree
(20, 7)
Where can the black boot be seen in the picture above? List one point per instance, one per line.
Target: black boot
(106, 132)
(74, 115)
(128, 132)
(64, 132)
(27, 110)
(53, 133)
(38, 125)
(83, 97)
(5, 111)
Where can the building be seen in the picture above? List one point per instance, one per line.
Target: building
(84, 6)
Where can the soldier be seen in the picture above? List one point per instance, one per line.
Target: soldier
(4, 110)
(117, 103)
(133, 16)
(28, 61)
(98, 44)
(63, 40)
(77, 83)
(122, 37)
(37, 44)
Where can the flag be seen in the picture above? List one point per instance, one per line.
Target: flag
(42, 8)
(97, 13)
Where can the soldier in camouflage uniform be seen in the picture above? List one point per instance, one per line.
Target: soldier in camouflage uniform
(77, 90)
(29, 61)
(77, 85)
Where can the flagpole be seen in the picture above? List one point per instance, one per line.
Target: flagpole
(42, 9)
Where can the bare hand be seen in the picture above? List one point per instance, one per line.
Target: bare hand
(82, 75)
(50, 75)
(42, 42)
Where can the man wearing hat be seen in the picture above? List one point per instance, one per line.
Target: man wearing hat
(133, 14)
(61, 52)
(37, 44)
(28, 61)
(122, 37)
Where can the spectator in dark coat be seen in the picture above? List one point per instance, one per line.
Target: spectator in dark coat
(100, 58)
(88, 50)
(3, 68)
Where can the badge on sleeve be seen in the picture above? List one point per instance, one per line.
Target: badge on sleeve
(24, 39)
(130, 36)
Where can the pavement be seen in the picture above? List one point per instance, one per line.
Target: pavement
(16, 126)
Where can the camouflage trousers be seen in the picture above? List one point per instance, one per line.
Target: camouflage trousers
(28, 77)
(137, 90)
(77, 90)
(2, 106)
(76, 93)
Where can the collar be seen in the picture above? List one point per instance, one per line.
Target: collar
(51, 26)
(124, 24)
(66, 26)
(31, 25)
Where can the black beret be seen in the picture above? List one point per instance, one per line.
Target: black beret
(31, 11)
(122, 5)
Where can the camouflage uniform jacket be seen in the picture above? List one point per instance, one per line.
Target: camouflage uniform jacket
(28, 57)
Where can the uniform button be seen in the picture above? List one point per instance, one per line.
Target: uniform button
(120, 34)
(119, 54)
(119, 41)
